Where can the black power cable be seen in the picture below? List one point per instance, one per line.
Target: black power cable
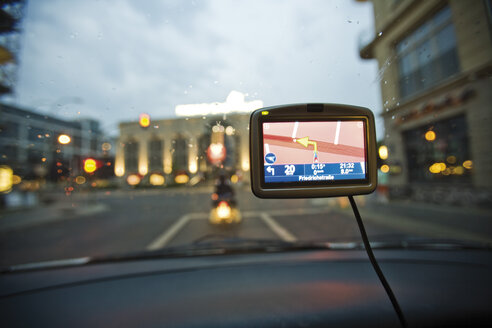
(375, 264)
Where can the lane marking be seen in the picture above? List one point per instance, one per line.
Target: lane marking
(337, 133)
(168, 235)
(296, 125)
(267, 148)
(280, 231)
(163, 239)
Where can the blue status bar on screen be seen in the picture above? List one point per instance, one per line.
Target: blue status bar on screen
(314, 172)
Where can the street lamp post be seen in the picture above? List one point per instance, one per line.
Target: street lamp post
(64, 139)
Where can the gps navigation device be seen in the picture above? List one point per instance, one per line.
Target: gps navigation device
(312, 150)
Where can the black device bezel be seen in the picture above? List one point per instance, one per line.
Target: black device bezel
(311, 113)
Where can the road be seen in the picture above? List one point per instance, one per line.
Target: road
(121, 221)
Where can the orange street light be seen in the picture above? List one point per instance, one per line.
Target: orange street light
(144, 120)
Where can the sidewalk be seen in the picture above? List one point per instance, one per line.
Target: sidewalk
(432, 220)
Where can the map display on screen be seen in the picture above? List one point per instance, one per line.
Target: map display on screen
(314, 151)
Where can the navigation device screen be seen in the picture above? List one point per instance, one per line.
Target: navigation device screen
(314, 151)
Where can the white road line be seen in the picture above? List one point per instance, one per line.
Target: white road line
(337, 133)
(280, 231)
(296, 124)
(169, 234)
(267, 148)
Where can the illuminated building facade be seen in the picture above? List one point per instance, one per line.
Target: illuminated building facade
(175, 147)
(435, 66)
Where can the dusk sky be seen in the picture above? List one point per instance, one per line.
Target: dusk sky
(111, 60)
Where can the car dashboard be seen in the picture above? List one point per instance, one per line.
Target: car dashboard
(318, 288)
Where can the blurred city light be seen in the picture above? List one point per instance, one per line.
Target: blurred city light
(385, 168)
(6, 174)
(383, 152)
(168, 165)
(144, 120)
(133, 179)
(181, 178)
(438, 168)
(143, 168)
(234, 178)
(451, 159)
(106, 146)
(216, 153)
(16, 179)
(223, 210)
(193, 166)
(230, 130)
(64, 139)
(430, 135)
(80, 180)
(245, 165)
(90, 165)
(468, 164)
(156, 179)
(119, 170)
(217, 128)
(459, 170)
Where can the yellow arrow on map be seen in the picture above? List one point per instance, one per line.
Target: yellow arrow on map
(305, 142)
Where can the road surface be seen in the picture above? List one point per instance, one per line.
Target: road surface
(110, 222)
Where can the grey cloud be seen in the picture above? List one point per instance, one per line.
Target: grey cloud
(126, 57)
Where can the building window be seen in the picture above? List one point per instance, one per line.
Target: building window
(180, 154)
(77, 141)
(131, 156)
(8, 154)
(439, 152)
(94, 147)
(428, 55)
(203, 143)
(36, 134)
(9, 130)
(155, 155)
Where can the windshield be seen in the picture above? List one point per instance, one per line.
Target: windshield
(124, 125)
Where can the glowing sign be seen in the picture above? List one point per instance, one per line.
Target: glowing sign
(235, 103)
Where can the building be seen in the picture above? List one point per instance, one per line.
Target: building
(30, 144)
(435, 68)
(177, 147)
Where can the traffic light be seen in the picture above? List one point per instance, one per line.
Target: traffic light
(382, 157)
(90, 165)
(144, 120)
